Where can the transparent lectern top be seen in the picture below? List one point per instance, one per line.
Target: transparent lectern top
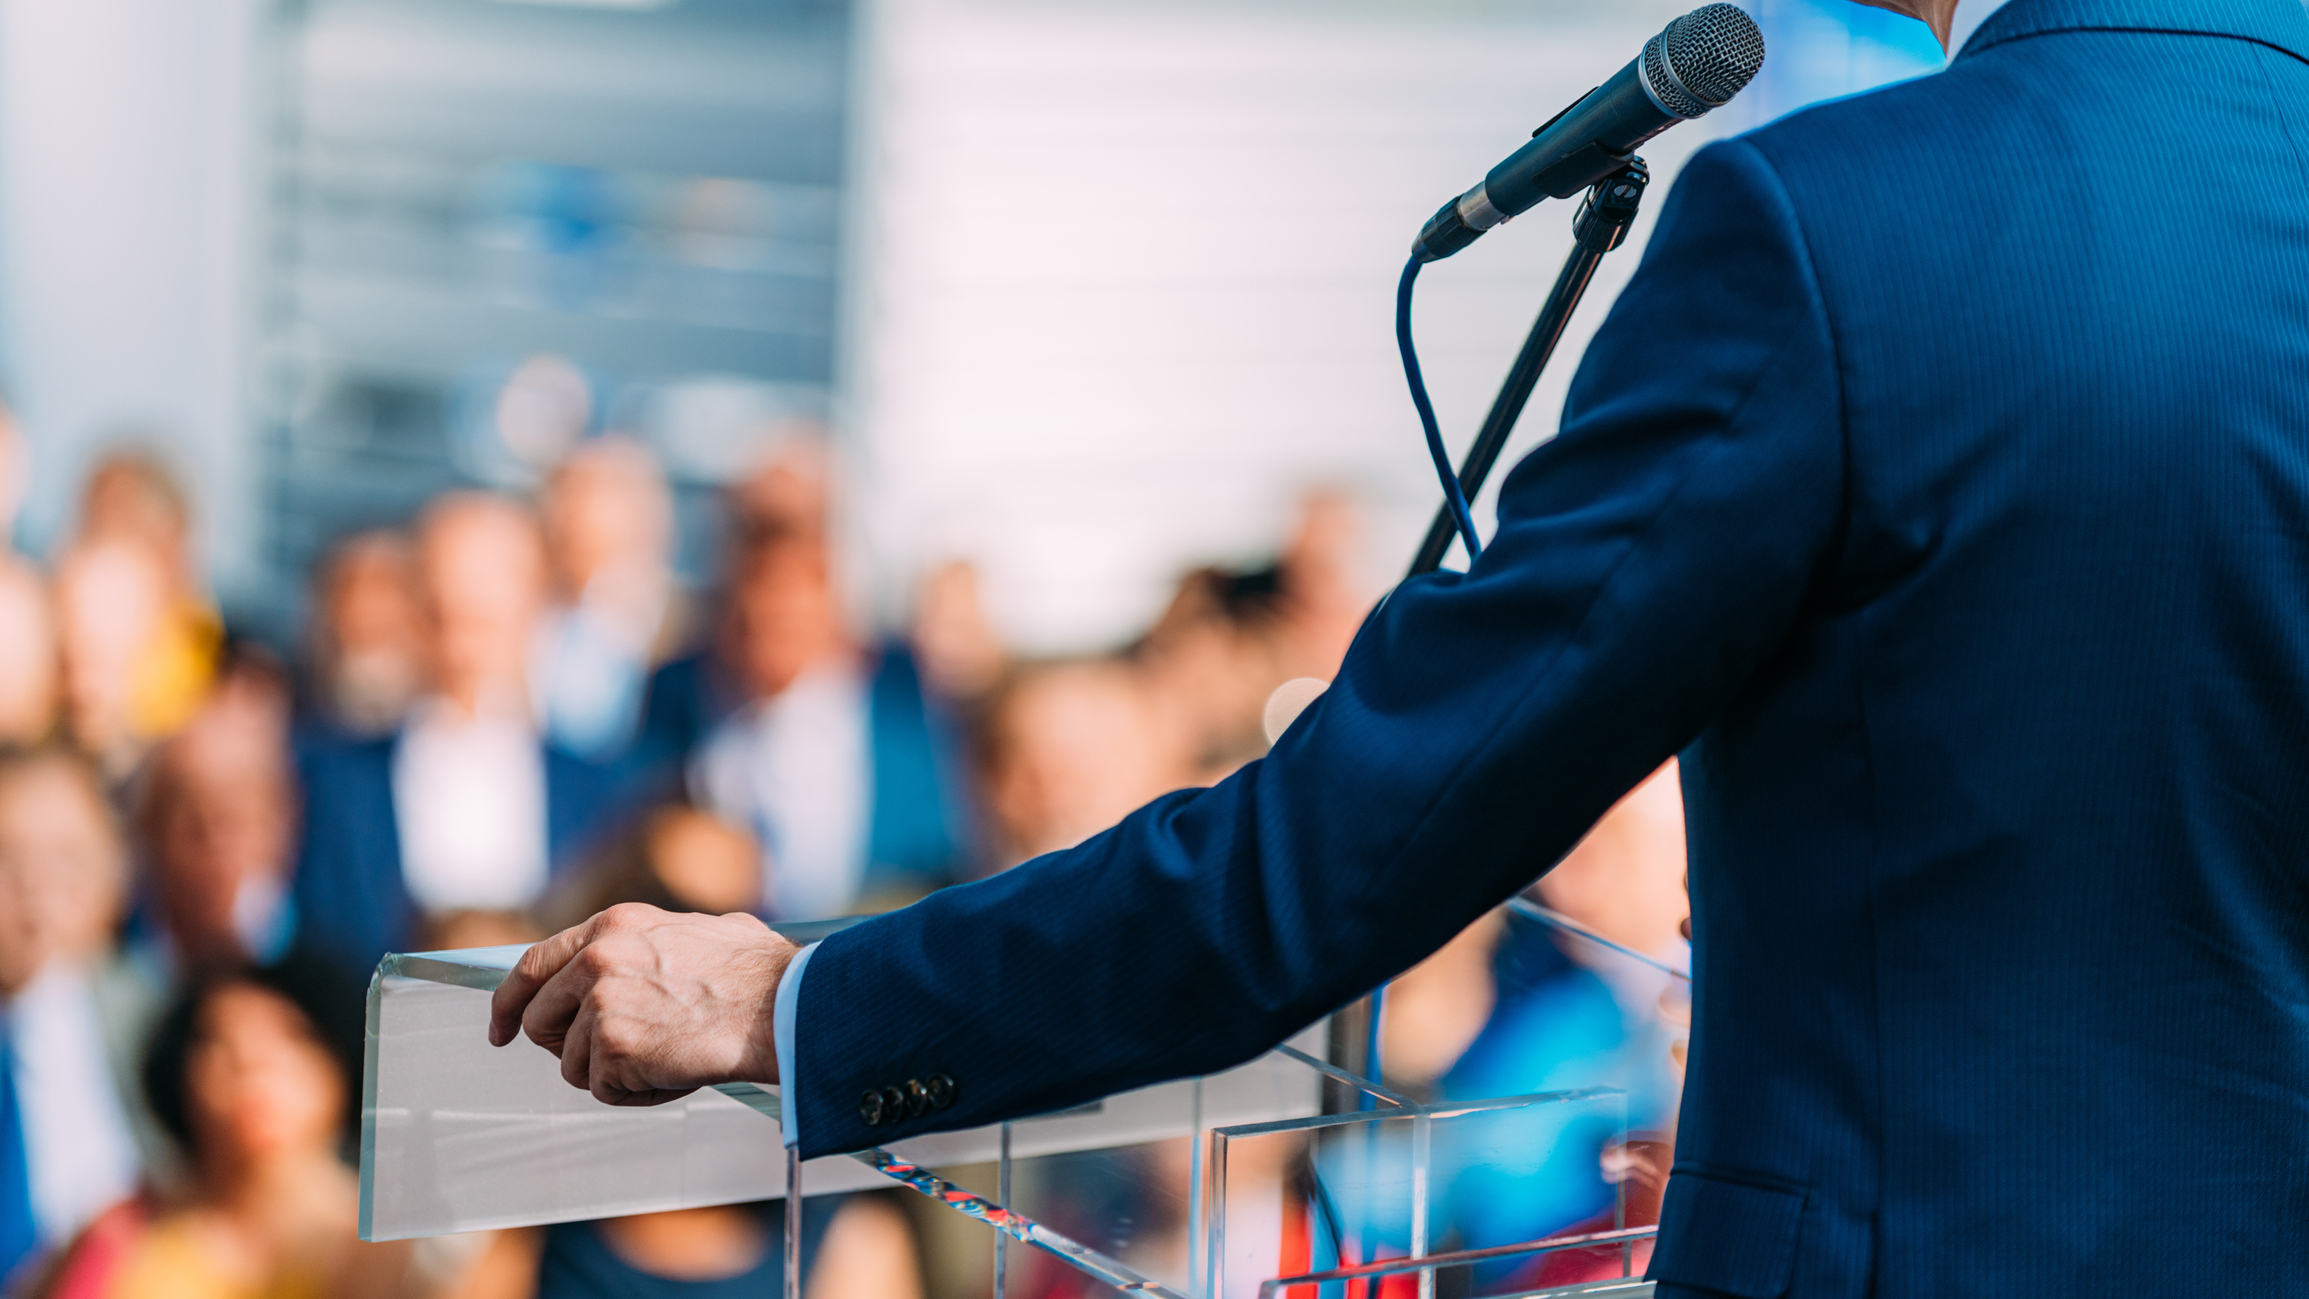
(457, 1135)
(1235, 1184)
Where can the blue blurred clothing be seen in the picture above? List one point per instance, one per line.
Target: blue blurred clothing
(1939, 487)
(1557, 1024)
(352, 903)
(579, 1264)
(918, 832)
(19, 1236)
(589, 679)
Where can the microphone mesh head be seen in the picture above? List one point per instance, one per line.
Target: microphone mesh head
(1704, 58)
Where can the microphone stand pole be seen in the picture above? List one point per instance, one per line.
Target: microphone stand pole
(1601, 225)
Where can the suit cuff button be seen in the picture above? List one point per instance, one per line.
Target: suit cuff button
(870, 1109)
(917, 1098)
(941, 1090)
(893, 1105)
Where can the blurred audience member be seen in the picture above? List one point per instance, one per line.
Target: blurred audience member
(1229, 639)
(446, 931)
(1068, 749)
(677, 859)
(853, 1247)
(133, 670)
(1562, 1011)
(28, 656)
(29, 673)
(465, 808)
(1433, 1011)
(1325, 596)
(1625, 880)
(856, 1247)
(67, 1148)
(253, 1073)
(132, 499)
(609, 543)
(132, 495)
(829, 753)
(15, 477)
(788, 497)
(962, 658)
(366, 640)
(216, 812)
(1212, 660)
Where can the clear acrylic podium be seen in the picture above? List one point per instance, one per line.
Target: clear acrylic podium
(1234, 1184)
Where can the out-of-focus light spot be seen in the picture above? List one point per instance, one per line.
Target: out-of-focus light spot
(712, 428)
(1289, 700)
(543, 409)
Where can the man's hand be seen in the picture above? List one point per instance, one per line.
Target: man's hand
(645, 1006)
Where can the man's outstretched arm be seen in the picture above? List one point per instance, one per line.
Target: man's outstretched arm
(1647, 562)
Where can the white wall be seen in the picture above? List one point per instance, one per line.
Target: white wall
(126, 129)
(1128, 275)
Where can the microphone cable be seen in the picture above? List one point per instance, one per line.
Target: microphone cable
(1452, 492)
(1696, 64)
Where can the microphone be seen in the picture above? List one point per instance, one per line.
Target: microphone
(1698, 63)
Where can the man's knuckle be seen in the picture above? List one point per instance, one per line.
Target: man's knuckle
(627, 916)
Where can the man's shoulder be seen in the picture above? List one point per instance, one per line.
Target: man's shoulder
(1879, 133)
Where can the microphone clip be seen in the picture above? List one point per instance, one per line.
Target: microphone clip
(1609, 209)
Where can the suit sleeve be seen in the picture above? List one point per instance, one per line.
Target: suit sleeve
(1648, 560)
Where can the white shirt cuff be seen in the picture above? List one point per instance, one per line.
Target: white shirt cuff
(782, 1034)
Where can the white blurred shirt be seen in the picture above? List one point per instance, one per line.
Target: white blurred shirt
(78, 1148)
(469, 801)
(589, 666)
(797, 770)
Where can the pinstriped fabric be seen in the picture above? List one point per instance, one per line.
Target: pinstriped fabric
(2070, 284)
(2273, 22)
(1940, 488)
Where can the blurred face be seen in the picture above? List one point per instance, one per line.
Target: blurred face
(220, 823)
(372, 634)
(783, 617)
(28, 670)
(129, 500)
(1079, 748)
(372, 599)
(956, 643)
(112, 599)
(605, 511)
(482, 574)
(1213, 678)
(259, 1083)
(788, 496)
(705, 862)
(60, 871)
(15, 471)
(1625, 880)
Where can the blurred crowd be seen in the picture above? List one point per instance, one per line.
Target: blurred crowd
(502, 717)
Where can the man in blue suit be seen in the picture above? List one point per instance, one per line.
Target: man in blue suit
(782, 673)
(1939, 488)
(466, 807)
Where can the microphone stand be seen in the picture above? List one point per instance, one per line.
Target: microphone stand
(1600, 226)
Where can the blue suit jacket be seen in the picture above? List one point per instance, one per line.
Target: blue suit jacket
(352, 904)
(1940, 488)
